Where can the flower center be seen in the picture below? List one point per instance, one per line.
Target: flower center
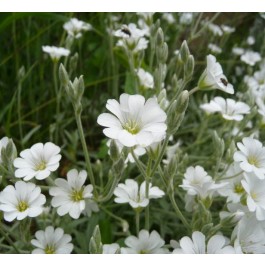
(40, 166)
(49, 249)
(22, 206)
(238, 188)
(77, 195)
(253, 161)
(131, 126)
(254, 195)
(143, 251)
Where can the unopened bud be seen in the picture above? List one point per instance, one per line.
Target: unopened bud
(183, 101)
(184, 51)
(73, 62)
(21, 73)
(114, 151)
(159, 37)
(63, 75)
(189, 67)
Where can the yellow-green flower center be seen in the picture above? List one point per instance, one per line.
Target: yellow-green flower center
(254, 195)
(22, 206)
(238, 188)
(143, 251)
(131, 126)
(77, 195)
(50, 250)
(253, 160)
(40, 166)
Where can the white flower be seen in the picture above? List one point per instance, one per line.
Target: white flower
(55, 52)
(250, 57)
(135, 122)
(213, 77)
(25, 199)
(169, 18)
(171, 151)
(186, 18)
(255, 189)
(52, 241)
(70, 195)
(238, 51)
(251, 156)
(197, 182)
(135, 196)
(227, 29)
(217, 244)
(235, 213)
(74, 27)
(113, 248)
(145, 78)
(145, 243)
(229, 108)
(38, 161)
(131, 37)
(215, 29)
(250, 40)
(143, 26)
(250, 236)
(234, 190)
(3, 144)
(214, 48)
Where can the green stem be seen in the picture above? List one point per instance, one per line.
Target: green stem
(8, 239)
(138, 163)
(133, 72)
(19, 112)
(137, 221)
(192, 91)
(57, 92)
(85, 150)
(147, 181)
(177, 210)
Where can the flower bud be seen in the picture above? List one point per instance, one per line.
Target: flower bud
(189, 67)
(183, 102)
(184, 51)
(159, 37)
(73, 62)
(63, 75)
(114, 151)
(21, 73)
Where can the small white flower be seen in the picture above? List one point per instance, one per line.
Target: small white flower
(135, 121)
(250, 40)
(143, 26)
(55, 52)
(52, 241)
(74, 27)
(171, 151)
(135, 196)
(238, 51)
(213, 77)
(214, 48)
(25, 199)
(70, 195)
(236, 211)
(186, 18)
(38, 161)
(3, 144)
(250, 236)
(215, 29)
(131, 37)
(169, 18)
(234, 190)
(111, 248)
(255, 189)
(145, 243)
(217, 244)
(251, 157)
(197, 182)
(250, 58)
(227, 29)
(229, 108)
(145, 78)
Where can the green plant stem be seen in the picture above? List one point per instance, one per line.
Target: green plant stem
(19, 113)
(57, 95)
(137, 221)
(8, 239)
(133, 72)
(138, 163)
(147, 182)
(177, 210)
(192, 91)
(85, 150)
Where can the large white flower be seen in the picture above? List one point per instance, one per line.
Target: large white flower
(130, 193)
(135, 121)
(3, 144)
(217, 244)
(213, 77)
(113, 248)
(251, 156)
(74, 27)
(250, 58)
(145, 243)
(249, 236)
(38, 161)
(197, 182)
(229, 108)
(255, 189)
(25, 199)
(52, 241)
(145, 78)
(234, 189)
(70, 195)
(55, 52)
